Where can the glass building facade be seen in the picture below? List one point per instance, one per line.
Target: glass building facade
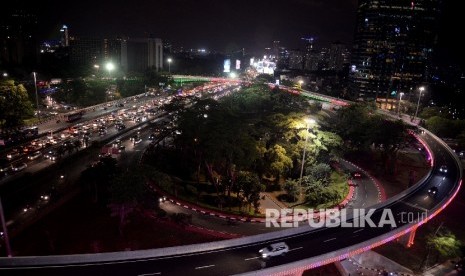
(393, 46)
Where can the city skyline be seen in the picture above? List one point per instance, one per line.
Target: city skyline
(239, 24)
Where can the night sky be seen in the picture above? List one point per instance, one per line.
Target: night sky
(225, 25)
(212, 24)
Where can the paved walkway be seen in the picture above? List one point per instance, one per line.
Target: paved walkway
(445, 269)
(372, 263)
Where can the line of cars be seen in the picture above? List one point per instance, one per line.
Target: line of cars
(433, 190)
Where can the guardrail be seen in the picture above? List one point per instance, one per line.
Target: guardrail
(293, 267)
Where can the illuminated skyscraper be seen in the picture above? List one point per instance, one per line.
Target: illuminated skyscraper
(393, 46)
(64, 36)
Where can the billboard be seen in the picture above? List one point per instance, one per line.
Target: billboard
(264, 67)
(238, 64)
(227, 66)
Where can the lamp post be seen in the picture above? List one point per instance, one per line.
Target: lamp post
(97, 67)
(5, 230)
(110, 67)
(309, 122)
(169, 65)
(37, 96)
(398, 106)
(421, 89)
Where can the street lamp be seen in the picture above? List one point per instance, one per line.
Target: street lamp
(421, 89)
(110, 67)
(308, 122)
(398, 106)
(37, 96)
(169, 65)
(300, 83)
(5, 230)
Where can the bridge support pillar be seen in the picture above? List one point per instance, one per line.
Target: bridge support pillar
(408, 239)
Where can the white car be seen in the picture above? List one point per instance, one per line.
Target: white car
(19, 167)
(34, 155)
(275, 249)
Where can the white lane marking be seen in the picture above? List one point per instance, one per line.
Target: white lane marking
(297, 248)
(415, 206)
(248, 259)
(153, 258)
(330, 240)
(356, 231)
(205, 266)
(149, 274)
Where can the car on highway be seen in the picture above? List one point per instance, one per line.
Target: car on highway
(137, 140)
(116, 143)
(356, 175)
(53, 157)
(5, 167)
(152, 136)
(275, 249)
(120, 126)
(49, 153)
(443, 169)
(18, 167)
(34, 155)
(433, 191)
(13, 154)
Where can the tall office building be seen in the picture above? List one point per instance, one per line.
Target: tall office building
(18, 41)
(130, 54)
(139, 54)
(86, 50)
(276, 50)
(64, 36)
(311, 57)
(337, 56)
(393, 46)
(296, 59)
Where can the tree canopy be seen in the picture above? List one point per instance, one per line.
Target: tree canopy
(14, 105)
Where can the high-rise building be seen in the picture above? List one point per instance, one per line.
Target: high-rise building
(337, 56)
(311, 58)
(296, 59)
(86, 50)
(393, 46)
(138, 54)
(276, 50)
(18, 41)
(283, 58)
(130, 54)
(64, 36)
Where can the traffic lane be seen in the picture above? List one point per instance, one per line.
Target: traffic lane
(218, 224)
(366, 190)
(98, 112)
(226, 262)
(425, 200)
(397, 207)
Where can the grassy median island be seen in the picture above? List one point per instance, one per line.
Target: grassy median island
(338, 189)
(223, 155)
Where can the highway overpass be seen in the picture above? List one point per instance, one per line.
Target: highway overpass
(309, 247)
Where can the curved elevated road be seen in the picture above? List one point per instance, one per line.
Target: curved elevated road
(308, 248)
